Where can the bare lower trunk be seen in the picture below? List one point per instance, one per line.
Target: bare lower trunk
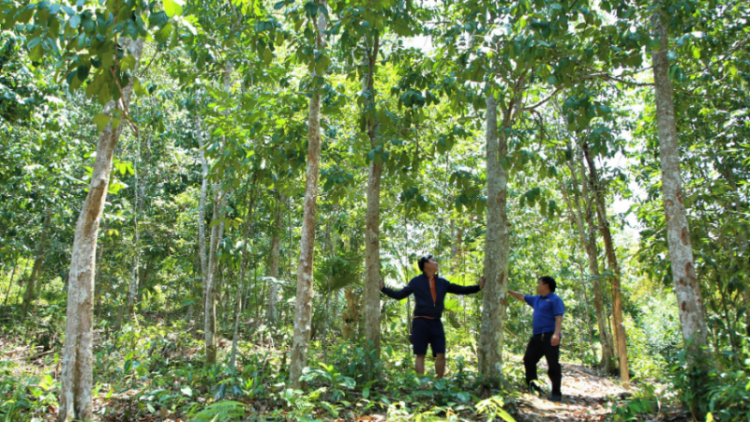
(28, 296)
(372, 218)
(76, 374)
(618, 324)
(685, 280)
(209, 314)
(273, 271)
(372, 259)
(496, 248)
(303, 306)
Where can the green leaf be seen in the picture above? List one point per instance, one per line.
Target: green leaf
(74, 21)
(101, 121)
(173, 7)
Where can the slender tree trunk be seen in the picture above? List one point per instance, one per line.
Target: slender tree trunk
(589, 245)
(217, 233)
(209, 314)
(76, 376)
(241, 283)
(10, 283)
(202, 207)
(303, 308)
(372, 219)
(273, 294)
(685, 280)
(618, 324)
(127, 310)
(496, 246)
(28, 296)
(586, 307)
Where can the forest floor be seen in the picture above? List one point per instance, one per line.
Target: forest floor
(587, 396)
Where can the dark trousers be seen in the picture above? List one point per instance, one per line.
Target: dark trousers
(541, 345)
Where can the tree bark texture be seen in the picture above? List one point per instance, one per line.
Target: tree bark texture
(372, 218)
(618, 323)
(496, 247)
(684, 277)
(76, 374)
(303, 305)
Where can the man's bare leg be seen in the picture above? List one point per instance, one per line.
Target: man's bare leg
(419, 365)
(440, 365)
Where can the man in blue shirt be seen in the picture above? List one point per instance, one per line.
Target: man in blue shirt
(429, 296)
(545, 341)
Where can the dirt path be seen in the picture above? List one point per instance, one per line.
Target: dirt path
(587, 396)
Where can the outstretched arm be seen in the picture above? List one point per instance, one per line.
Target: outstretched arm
(517, 295)
(465, 290)
(397, 294)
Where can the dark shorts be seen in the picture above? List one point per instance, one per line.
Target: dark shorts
(428, 331)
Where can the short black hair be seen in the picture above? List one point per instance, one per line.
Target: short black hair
(423, 260)
(549, 281)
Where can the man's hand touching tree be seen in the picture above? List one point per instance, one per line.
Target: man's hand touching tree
(481, 283)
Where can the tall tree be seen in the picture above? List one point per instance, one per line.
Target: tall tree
(303, 306)
(372, 218)
(589, 245)
(76, 376)
(684, 278)
(601, 212)
(498, 234)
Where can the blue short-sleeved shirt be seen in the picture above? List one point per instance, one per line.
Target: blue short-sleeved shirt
(545, 310)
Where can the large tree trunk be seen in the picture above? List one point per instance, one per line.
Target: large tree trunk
(76, 376)
(303, 306)
(496, 247)
(273, 271)
(28, 296)
(618, 324)
(574, 205)
(685, 280)
(372, 218)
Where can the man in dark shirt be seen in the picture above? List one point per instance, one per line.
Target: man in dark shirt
(545, 341)
(429, 295)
